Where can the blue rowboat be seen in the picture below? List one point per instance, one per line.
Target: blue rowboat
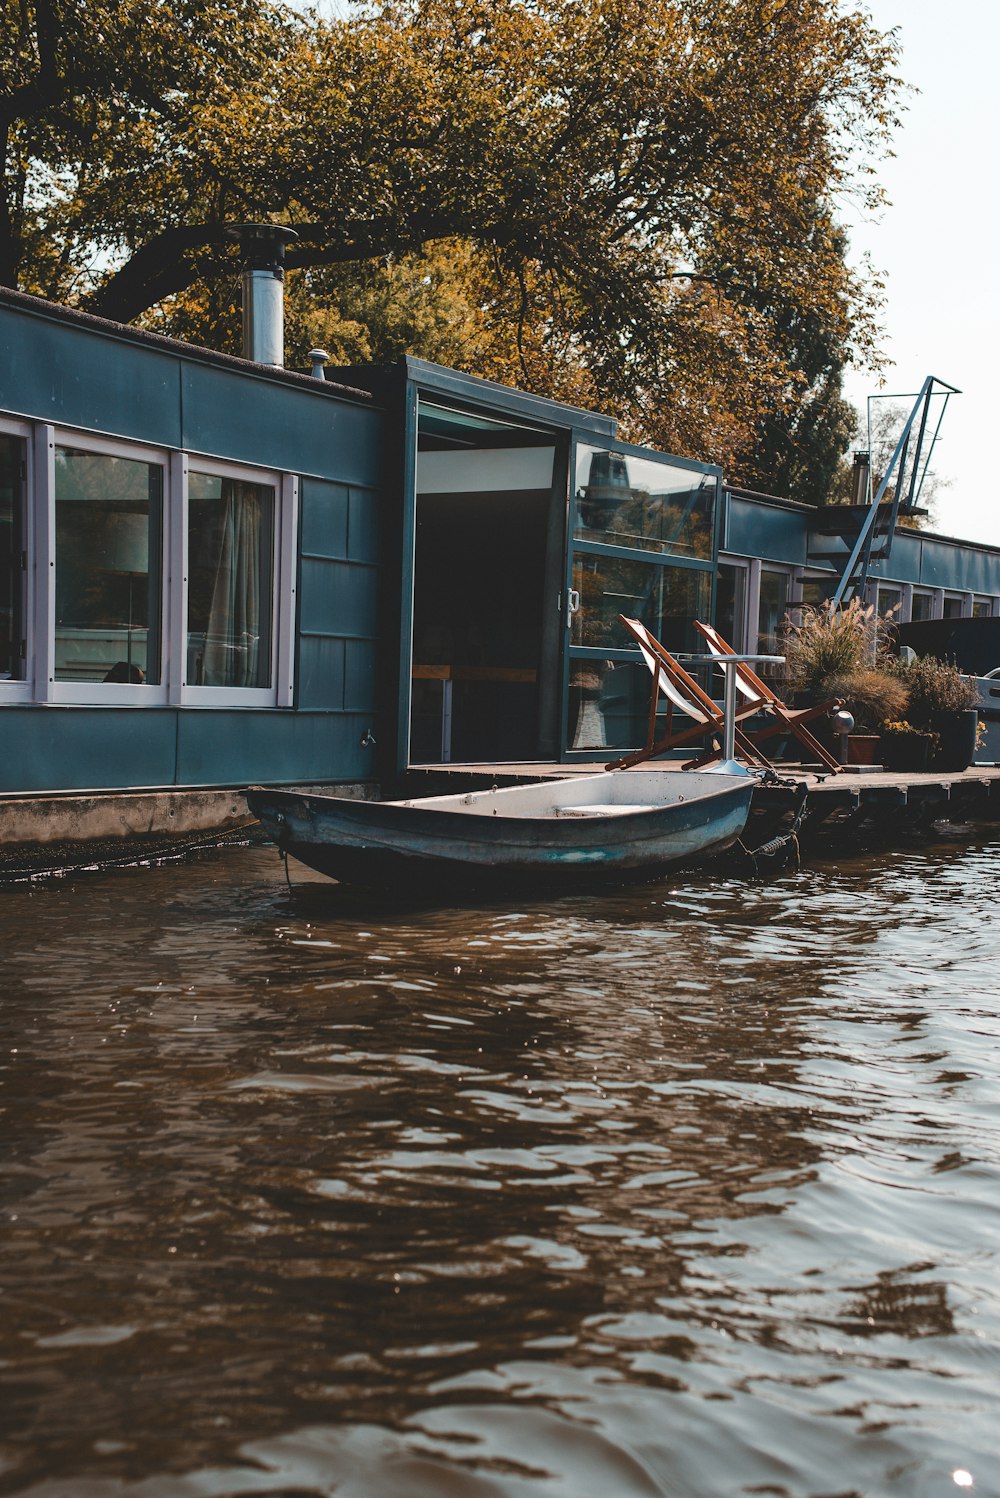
(615, 825)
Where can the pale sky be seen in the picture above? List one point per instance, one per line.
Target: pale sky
(937, 245)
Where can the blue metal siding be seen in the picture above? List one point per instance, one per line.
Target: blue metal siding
(760, 530)
(109, 748)
(359, 675)
(323, 519)
(364, 529)
(929, 562)
(904, 559)
(321, 672)
(103, 382)
(964, 569)
(337, 598)
(64, 374)
(256, 420)
(236, 748)
(87, 748)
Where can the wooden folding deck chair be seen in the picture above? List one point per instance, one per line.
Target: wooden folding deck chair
(758, 697)
(670, 680)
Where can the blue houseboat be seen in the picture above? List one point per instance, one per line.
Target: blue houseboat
(217, 571)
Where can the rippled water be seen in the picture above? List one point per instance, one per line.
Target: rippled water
(685, 1190)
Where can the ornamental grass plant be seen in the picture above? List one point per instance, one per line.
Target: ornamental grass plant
(828, 643)
(844, 653)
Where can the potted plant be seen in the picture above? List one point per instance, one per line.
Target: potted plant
(904, 747)
(940, 699)
(844, 653)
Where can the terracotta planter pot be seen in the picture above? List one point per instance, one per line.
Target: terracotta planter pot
(862, 748)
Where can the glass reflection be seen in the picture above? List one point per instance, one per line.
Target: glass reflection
(624, 500)
(773, 607)
(731, 604)
(608, 704)
(108, 524)
(666, 599)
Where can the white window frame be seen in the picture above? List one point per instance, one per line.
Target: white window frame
(41, 440)
(887, 584)
(928, 593)
(89, 693)
(283, 582)
(757, 569)
(12, 690)
(738, 564)
(802, 575)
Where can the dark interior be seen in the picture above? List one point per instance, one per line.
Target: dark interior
(478, 606)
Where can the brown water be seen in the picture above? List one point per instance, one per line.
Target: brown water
(690, 1190)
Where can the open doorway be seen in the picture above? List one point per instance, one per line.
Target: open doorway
(488, 560)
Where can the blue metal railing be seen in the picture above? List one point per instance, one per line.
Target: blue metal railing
(856, 568)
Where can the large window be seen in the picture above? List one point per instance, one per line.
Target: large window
(230, 581)
(108, 531)
(156, 579)
(626, 500)
(12, 546)
(731, 604)
(608, 704)
(890, 602)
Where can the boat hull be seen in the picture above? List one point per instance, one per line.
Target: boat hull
(500, 835)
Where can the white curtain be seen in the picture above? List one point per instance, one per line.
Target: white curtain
(238, 610)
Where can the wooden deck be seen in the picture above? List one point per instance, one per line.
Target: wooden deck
(852, 782)
(855, 807)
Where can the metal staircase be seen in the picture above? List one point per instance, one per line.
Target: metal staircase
(865, 529)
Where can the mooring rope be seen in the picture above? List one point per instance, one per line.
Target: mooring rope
(138, 858)
(775, 845)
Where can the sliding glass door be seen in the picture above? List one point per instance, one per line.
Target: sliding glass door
(643, 544)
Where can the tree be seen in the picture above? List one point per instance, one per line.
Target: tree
(804, 429)
(99, 102)
(642, 194)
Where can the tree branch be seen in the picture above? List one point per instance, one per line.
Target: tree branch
(166, 264)
(48, 84)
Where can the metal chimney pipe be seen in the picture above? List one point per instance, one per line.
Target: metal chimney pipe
(262, 247)
(862, 468)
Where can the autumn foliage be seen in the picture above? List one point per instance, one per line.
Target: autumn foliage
(630, 207)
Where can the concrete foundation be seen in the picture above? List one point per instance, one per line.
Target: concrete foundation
(59, 832)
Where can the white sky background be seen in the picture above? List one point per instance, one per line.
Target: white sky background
(937, 245)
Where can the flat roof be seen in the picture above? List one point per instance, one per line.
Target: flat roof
(22, 301)
(774, 501)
